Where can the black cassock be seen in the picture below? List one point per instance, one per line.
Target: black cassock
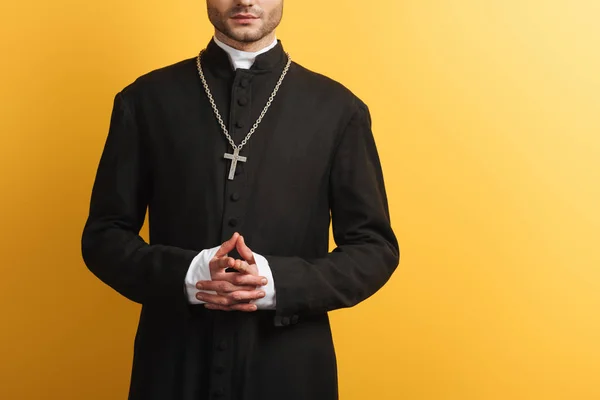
(311, 161)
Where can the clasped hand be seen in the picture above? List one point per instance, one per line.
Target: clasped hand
(234, 290)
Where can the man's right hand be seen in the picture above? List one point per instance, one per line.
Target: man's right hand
(234, 290)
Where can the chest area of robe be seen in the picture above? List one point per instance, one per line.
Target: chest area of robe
(280, 193)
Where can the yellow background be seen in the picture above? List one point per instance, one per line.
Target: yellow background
(487, 116)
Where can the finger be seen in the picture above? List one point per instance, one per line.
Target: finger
(228, 246)
(240, 279)
(244, 307)
(248, 280)
(220, 264)
(226, 262)
(244, 251)
(215, 299)
(236, 307)
(222, 286)
(216, 307)
(246, 295)
(242, 266)
(231, 298)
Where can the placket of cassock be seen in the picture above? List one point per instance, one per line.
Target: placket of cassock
(248, 91)
(235, 195)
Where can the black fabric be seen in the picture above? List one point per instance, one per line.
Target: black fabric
(312, 161)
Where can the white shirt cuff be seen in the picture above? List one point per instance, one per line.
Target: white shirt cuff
(269, 301)
(199, 271)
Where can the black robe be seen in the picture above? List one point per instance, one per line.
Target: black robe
(312, 161)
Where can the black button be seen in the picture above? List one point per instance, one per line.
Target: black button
(233, 222)
(219, 369)
(244, 82)
(223, 345)
(239, 124)
(294, 319)
(285, 321)
(235, 196)
(242, 101)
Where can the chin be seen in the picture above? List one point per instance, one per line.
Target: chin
(244, 29)
(246, 35)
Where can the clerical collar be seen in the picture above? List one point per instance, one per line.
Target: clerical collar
(243, 59)
(268, 60)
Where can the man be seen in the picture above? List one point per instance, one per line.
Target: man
(242, 157)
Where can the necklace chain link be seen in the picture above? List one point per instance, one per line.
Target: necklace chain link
(218, 114)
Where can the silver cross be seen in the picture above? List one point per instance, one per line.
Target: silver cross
(235, 157)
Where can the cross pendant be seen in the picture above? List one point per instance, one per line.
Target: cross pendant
(235, 157)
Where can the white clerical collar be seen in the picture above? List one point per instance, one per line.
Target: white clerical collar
(243, 59)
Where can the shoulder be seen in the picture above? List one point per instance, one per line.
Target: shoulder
(331, 96)
(326, 89)
(162, 79)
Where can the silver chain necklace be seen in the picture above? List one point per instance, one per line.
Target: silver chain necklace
(235, 157)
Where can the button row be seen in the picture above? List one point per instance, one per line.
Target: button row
(220, 369)
(242, 101)
(286, 321)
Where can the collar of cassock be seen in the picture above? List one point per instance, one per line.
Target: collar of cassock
(218, 59)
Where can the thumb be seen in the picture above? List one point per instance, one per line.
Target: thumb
(244, 251)
(227, 246)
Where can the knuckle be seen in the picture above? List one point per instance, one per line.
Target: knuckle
(238, 280)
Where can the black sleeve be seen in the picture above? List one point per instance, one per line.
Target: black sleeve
(111, 246)
(367, 251)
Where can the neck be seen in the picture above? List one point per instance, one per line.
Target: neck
(246, 46)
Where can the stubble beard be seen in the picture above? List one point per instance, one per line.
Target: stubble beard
(269, 24)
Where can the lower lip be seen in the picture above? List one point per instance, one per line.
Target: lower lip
(244, 20)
